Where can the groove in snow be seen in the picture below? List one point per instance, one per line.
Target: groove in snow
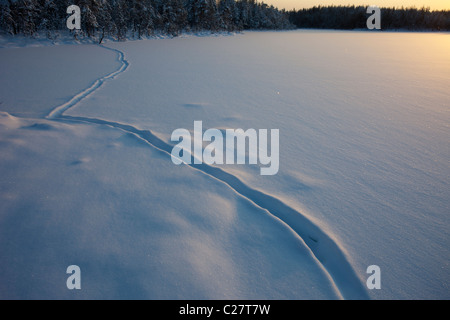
(324, 248)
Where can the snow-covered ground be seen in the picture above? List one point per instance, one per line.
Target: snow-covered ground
(87, 179)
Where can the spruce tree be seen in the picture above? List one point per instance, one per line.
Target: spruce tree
(119, 16)
(7, 22)
(174, 16)
(229, 15)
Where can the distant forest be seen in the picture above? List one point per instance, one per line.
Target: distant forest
(122, 19)
(351, 17)
(137, 18)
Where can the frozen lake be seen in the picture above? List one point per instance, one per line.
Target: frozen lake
(364, 122)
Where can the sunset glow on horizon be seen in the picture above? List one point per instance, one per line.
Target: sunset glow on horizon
(300, 4)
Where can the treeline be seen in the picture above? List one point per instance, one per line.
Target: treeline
(355, 17)
(136, 18)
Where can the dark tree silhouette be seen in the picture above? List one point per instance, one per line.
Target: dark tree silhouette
(351, 17)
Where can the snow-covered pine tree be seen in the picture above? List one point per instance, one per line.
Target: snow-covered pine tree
(49, 19)
(212, 16)
(142, 17)
(244, 13)
(25, 14)
(173, 16)
(104, 19)
(89, 11)
(203, 15)
(120, 18)
(7, 22)
(193, 13)
(262, 14)
(229, 14)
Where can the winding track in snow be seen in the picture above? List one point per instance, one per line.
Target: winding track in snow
(323, 247)
(58, 111)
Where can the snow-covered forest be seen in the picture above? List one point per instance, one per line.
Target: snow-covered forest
(354, 17)
(120, 18)
(123, 19)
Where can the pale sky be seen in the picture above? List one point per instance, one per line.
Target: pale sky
(299, 4)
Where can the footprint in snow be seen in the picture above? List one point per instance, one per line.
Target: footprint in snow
(40, 127)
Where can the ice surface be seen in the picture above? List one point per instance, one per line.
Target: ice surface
(138, 227)
(364, 172)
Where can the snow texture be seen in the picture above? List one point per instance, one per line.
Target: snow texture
(87, 177)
